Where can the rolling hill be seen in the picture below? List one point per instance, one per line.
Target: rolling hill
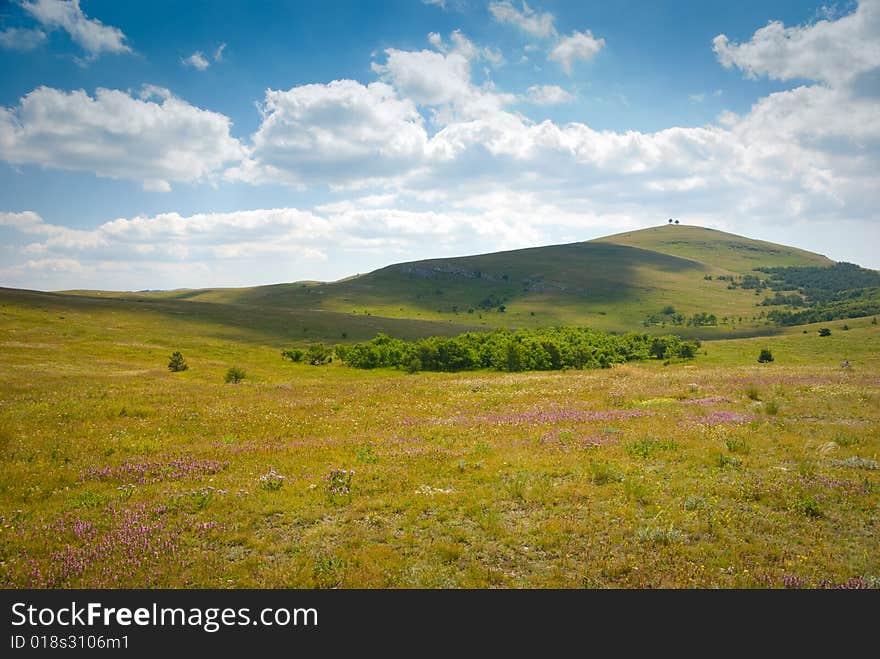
(612, 283)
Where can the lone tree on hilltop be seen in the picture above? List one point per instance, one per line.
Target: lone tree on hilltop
(177, 363)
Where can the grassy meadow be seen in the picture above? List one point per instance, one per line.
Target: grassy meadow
(719, 472)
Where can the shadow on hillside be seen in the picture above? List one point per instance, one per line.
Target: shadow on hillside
(233, 322)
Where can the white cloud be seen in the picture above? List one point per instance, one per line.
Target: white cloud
(196, 60)
(91, 34)
(426, 76)
(549, 95)
(576, 46)
(218, 52)
(339, 133)
(527, 19)
(26, 222)
(702, 96)
(442, 80)
(436, 3)
(831, 51)
(21, 39)
(154, 140)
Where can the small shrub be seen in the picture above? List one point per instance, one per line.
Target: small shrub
(234, 375)
(89, 499)
(602, 472)
(824, 332)
(736, 445)
(201, 498)
(765, 356)
(846, 440)
(272, 480)
(414, 366)
(637, 491)
(660, 535)
(515, 485)
(366, 455)
(771, 407)
(339, 483)
(177, 363)
(809, 507)
(752, 392)
(642, 448)
(727, 460)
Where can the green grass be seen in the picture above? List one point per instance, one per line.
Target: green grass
(723, 250)
(115, 472)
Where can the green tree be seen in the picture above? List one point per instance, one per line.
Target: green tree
(765, 356)
(514, 356)
(177, 363)
(318, 354)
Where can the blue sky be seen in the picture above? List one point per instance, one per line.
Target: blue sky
(169, 144)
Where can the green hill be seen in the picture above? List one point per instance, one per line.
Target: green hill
(613, 283)
(724, 250)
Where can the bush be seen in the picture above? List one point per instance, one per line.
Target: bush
(765, 356)
(319, 354)
(414, 366)
(177, 363)
(824, 332)
(234, 375)
(294, 355)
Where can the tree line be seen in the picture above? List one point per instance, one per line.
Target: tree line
(503, 350)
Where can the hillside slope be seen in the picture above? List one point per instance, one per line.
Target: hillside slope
(612, 283)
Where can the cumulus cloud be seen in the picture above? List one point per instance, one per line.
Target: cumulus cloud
(581, 46)
(196, 61)
(831, 51)
(154, 139)
(526, 19)
(89, 33)
(548, 95)
(26, 222)
(21, 38)
(427, 77)
(442, 78)
(339, 133)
